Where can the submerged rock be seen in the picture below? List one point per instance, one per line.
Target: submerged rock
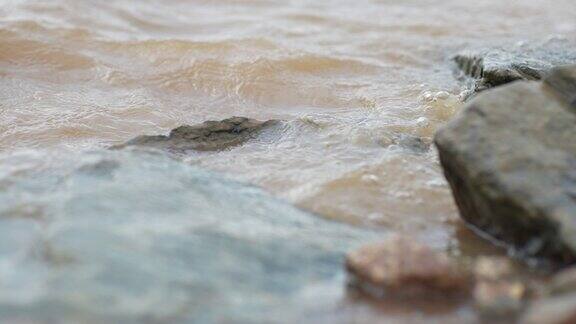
(495, 67)
(510, 158)
(131, 237)
(413, 143)
(208, 136)
(401, 267)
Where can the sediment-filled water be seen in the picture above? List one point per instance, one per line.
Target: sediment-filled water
(360, 86)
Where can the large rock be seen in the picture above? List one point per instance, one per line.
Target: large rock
(131, 237)
(498, 66)
(400, 267)
(208, 136)
(510, 158)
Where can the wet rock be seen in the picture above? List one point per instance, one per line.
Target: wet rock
(407, 142)
(563, 81)
(497, 294)
(556, 310)
(402, 267)
(131, 237)
(413, 143)
(510, 158)
(208, 136)
(495, 67)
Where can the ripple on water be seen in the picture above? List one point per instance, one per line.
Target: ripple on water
(18, 50)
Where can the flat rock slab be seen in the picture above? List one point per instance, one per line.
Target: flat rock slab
(495, 67)
(208, 136)
(131, 237)
(510, 158)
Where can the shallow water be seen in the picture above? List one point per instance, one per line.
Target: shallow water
(361, 86)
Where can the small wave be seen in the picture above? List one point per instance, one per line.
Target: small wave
(248, 52)
(325, 64)
(302, 81)
(23, 50)
(176, 49)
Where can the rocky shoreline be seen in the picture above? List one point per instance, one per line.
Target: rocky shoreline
(509, 157)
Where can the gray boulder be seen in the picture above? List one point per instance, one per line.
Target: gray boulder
(208, 136)
(131, 237)
(495, 67)
(510, 158)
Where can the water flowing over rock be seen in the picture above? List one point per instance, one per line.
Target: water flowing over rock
(134, 237)
(403, 268)
(510, 158)
(495, 67)
(208, 136)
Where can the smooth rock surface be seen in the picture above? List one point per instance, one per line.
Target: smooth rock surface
(401, 267)
(208, 136)
(494, 67)
(135, 237)
(510, 158)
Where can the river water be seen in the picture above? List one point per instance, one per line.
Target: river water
(360, 85)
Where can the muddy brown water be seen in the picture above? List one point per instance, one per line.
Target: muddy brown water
(361, 85)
